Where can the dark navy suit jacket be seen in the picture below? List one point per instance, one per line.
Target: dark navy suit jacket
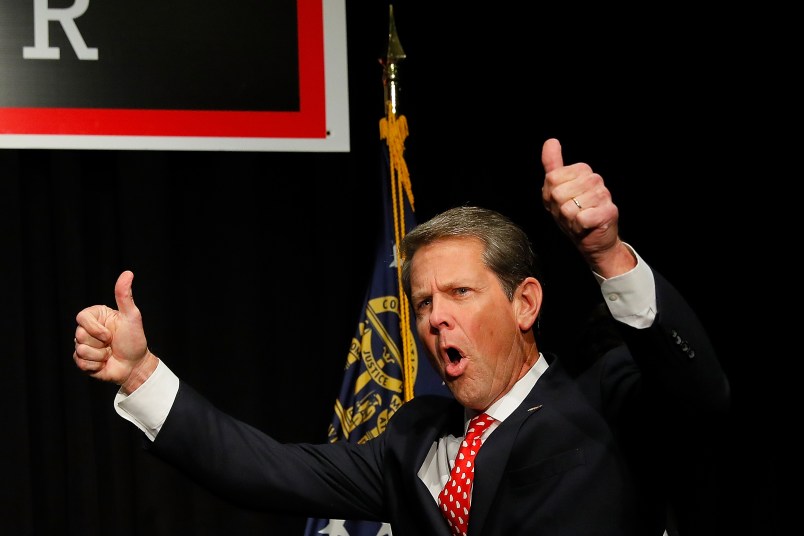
(593, 450)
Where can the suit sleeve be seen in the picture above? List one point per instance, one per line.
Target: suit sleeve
(245, 466)
(677, 359)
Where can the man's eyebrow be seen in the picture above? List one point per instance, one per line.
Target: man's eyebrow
(416, 296)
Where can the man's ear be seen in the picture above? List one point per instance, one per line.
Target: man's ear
(528, 296)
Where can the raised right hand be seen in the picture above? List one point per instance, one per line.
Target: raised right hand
(110, 344)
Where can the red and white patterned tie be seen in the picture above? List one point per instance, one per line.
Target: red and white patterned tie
(456, 496)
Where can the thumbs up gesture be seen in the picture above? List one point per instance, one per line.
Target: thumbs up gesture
(582, 206)
(110, 344)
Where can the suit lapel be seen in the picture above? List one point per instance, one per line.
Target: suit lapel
(493, 457)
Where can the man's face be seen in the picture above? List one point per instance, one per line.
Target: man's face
(467, 324)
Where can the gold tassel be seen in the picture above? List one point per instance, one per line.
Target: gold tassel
(394, 130)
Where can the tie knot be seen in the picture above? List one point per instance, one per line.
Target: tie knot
(477, 425)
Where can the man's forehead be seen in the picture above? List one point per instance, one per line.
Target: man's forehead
(448, 257)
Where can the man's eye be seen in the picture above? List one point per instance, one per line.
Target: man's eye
(423, 304)
(462, 290)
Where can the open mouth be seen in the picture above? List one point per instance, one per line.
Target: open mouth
(454, 355)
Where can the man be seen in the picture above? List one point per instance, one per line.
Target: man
(570, 450)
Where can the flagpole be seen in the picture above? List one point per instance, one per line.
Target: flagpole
(394, 129)
(394, 55)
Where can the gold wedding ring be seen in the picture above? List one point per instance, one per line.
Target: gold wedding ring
(577, 204)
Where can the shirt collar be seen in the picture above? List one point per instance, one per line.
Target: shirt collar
(511, 400)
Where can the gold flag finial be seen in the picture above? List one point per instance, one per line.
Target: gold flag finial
(394, 55)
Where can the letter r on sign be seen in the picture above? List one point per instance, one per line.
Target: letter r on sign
(66, 17)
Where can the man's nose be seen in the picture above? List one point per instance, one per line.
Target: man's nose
(440, 313)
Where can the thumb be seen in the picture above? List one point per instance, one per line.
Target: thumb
(551, 155)
(123, 295)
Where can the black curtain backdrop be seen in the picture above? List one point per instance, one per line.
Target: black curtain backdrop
(250, 268)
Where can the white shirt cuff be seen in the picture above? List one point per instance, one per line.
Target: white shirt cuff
(631, 297)
(149, 405)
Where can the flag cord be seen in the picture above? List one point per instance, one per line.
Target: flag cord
(395, 130)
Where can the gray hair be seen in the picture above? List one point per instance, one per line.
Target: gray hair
(508, 251)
